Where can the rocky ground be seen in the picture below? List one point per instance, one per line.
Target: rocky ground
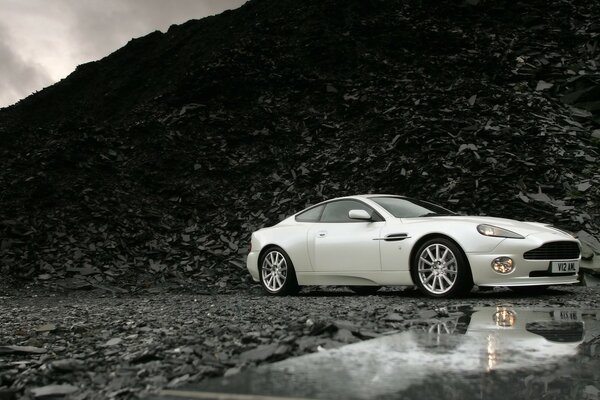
(98, 344)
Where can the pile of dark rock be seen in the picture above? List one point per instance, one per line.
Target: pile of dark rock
(156, 163)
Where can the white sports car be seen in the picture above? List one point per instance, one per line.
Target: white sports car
(372, 240)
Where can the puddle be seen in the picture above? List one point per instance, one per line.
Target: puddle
(478, 353)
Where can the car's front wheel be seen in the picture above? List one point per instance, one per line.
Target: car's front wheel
(440, 270)
(277, 274)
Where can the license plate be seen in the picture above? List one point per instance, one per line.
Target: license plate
(561, 267)
(566, 315)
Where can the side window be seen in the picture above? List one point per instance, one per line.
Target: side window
(310, 215)
(337, 211)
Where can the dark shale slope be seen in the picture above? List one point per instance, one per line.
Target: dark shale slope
(157, 161)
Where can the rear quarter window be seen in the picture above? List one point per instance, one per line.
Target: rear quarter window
(310, 215)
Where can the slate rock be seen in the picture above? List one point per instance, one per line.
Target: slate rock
(22, 349)
(393, 317)
(308, 343)
(113, 342)
(53, 391)
(282, 350)
(589, 241)
(344, 336)
(366, 334)
(232, 371)
(342, 324)
(582, 187)
(543, 85)
(46, 328)
(591, 392)
(178, 380)
(67, 365)
(321, 326)
(260, 353)
(427, 314)
(143, 356)
(8, 394)
(442, 312)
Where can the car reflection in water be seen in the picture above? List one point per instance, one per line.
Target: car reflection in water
(519, 338)
(475, 353)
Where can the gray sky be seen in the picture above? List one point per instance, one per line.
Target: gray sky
(42, 41)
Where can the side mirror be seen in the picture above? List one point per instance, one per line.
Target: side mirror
(362, 215)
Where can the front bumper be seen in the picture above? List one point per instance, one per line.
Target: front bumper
(526, 272)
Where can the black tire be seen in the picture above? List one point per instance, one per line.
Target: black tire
(529, 290)
(282, 282)
(364, 290)
(445, 267)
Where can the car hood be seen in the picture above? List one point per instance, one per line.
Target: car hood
(520, 227)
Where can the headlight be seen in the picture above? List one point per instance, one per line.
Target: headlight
(491, 230)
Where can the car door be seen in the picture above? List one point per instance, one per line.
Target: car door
(395, 247)
(338, 243)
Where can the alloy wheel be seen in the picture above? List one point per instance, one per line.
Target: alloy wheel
(274, 271)
(437, 268)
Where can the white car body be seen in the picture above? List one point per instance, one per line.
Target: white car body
(362, 253)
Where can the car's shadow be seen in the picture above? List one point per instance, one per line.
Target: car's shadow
(349, 293)
(413, 293)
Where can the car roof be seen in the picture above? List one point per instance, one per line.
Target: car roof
(369, 195)
(355, 196)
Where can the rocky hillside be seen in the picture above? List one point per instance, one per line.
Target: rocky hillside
(158, 161)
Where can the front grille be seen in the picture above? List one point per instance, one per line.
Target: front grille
(554, 251)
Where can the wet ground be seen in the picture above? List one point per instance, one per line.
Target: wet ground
(88, 345)
(475, 353)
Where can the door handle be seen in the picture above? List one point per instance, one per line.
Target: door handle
(321, 233)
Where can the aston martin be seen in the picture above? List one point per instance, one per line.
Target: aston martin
(369, 241)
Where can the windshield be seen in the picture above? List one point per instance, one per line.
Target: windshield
(403, 207)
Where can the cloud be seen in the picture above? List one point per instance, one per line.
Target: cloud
(112, 23)
(43, 41)
(18, 77)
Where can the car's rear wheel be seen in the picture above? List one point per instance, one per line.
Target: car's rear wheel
(441, 270)
(364, 290)
(277, 274)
